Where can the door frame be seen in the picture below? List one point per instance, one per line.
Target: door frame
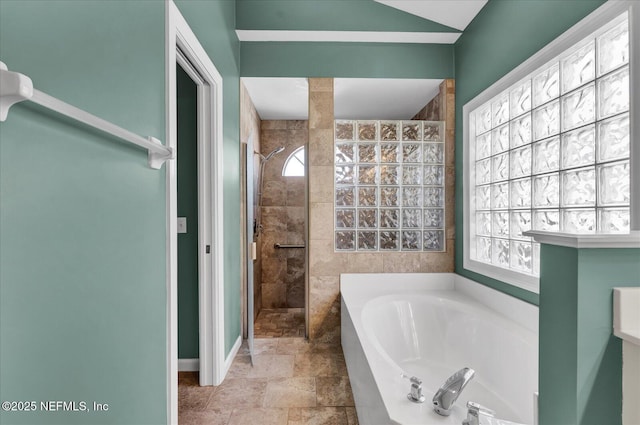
(179, 36)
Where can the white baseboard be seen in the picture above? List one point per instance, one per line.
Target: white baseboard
(232, 355)
(188, 365)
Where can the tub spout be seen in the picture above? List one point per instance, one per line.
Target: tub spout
(450, 391)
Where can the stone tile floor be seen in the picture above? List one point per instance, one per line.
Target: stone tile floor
(279, 322)
(293, 382)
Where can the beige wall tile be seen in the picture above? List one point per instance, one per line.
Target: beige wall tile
(321, 146)
(295, 188)
(269, 239)
(283, 212)
(273, 125)
(321, 220)
(321, 110)
(437, 262)
(271, 139)
(359, 262)
(274, 193)
(297, 124)
(320, 84)
(401, 262)
(274, 295)
(274, 219)
(321, 183)
(323, 261)
(325, 308)
(326, 328)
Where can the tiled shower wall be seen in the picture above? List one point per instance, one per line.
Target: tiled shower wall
(283, 217)
(326, 265)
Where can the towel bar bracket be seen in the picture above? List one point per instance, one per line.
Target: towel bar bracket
(156, 159)
(14, 88)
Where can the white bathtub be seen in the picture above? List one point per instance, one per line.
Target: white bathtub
(430, 325)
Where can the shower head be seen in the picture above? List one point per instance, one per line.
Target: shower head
(272, 153)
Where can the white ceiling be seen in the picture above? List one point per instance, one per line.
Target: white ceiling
(279, 98)
(354, 98)
(376, 98)
(452, 13)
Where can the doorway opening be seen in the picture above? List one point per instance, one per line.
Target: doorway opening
(275, 131)
(184, 53)
(188, 218)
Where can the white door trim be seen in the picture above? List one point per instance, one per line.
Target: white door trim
(210, 159)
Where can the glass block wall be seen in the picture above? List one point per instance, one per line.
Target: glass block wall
(552, 152)
(389, 186)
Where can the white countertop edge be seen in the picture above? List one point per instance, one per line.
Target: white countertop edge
(627, 240)
(631, 337)
(626, 314)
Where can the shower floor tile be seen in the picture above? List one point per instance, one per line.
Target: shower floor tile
(279, 322)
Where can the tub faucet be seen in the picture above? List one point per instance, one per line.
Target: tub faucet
(450, 391)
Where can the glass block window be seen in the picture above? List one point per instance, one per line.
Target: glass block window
(294, 165)
(389, 186)
(552, 152)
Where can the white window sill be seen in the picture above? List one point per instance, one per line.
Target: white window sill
(628, 240)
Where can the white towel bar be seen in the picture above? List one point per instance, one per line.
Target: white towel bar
(16, 87)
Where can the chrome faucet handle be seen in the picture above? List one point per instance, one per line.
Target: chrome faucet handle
(415, 394)
(475, 411)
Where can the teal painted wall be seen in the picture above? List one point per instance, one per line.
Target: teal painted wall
(364, 60)
(599, 371)
(503, 35)
(213, 22)
(188, 308)
(580, 366)
(329, 15)
(558, 335)
(82, 246)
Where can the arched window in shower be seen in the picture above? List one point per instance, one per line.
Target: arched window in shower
(294, 165)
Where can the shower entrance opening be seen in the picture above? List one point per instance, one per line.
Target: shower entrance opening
(276, 219)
